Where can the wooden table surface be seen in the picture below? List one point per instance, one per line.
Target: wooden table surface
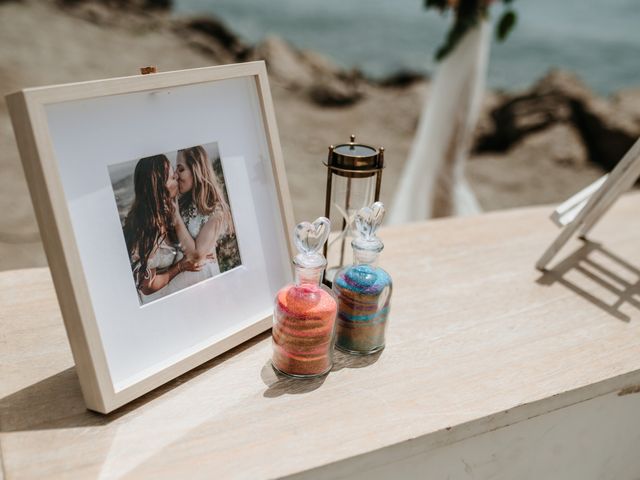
(478, 339)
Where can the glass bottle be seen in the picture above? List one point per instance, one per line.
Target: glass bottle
(363, 289)
(305, 311)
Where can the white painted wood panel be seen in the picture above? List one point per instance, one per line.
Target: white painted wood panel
(598, 439)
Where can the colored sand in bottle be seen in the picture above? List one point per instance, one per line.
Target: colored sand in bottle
(305, 311)
(364, 293)
(363, 290)
(303, 330)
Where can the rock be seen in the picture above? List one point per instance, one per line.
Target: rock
(284, 62)
(211, 35)
(545, 167)
(606, 130)
(139, 15)
(548, 102)
(334, 93)
(402, 79)
(486, 126)
(560, 144)
(159, 4)
(314, 75)
(93, 12)
(628, 100)
(562, 83)
(124, 4)
(311, 74)
(320, 64)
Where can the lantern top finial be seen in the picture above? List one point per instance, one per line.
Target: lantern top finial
(355, 159)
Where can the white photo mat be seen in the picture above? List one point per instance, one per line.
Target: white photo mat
(143, 346)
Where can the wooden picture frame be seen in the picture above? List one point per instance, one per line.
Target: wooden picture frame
(241, 109)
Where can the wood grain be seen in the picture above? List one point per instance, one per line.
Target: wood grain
(478, 340)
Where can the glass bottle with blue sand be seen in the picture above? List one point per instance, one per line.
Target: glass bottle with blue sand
(363, 289)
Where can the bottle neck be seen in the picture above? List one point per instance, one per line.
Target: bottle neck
(365, 257)
(308, 275)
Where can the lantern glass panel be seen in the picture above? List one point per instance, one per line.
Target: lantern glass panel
(348, 195)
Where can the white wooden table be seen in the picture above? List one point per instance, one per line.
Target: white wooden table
(492, 370)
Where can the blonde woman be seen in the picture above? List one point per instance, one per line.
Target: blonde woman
(202, 217)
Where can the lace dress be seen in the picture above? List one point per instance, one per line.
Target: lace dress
(164, 256)
(194, 221)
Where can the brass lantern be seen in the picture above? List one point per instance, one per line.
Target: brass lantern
(354, 176)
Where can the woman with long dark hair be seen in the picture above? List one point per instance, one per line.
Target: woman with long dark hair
(149, 231)
(203, 214)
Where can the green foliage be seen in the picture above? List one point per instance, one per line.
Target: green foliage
(228, 252)
(506, 24)
(454, 36)
(227, 249)
(439, 4)
(467, 15)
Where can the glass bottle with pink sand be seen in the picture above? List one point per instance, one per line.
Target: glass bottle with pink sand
(305, 311)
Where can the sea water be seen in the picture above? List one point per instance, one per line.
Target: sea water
(599, 40)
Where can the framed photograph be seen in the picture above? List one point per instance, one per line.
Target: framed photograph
(165, 214)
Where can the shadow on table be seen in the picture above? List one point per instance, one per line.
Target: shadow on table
(279, 384)
(598, 267)
(345, 360)
(57, 402)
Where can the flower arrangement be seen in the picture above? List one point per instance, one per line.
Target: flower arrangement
(467, 15)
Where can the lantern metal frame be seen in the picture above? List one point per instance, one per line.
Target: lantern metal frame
(350, 166)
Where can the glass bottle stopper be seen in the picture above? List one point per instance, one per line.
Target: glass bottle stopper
(367, 221)
(309, 239)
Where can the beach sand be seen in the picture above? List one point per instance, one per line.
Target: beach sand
(49, 46)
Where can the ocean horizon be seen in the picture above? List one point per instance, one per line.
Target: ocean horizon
(597, 40)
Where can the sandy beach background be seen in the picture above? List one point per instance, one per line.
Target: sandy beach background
(537, 145)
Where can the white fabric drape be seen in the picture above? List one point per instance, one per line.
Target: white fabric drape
(432, 182)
